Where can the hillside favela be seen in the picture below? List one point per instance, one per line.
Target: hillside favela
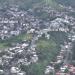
(37, 37)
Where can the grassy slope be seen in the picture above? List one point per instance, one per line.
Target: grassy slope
(46, 49)
(16, 39)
